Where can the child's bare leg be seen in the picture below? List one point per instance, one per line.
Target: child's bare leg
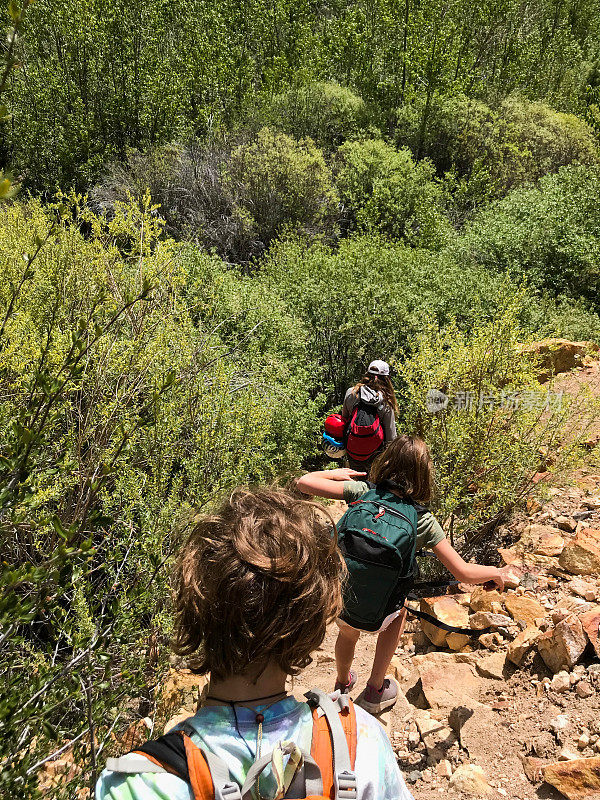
(344, 652)
(387, 642)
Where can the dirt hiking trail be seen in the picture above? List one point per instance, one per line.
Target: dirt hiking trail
(516, 713)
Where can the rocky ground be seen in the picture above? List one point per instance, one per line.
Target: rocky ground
(514, 712)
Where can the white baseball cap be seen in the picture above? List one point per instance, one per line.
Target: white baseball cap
(378, 368)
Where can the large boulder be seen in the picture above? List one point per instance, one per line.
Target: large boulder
(448, 683)
(577, 779)
(581, 555)
(590, 622)
(542, 539)
(561, 647)
(559, 355)
(522, 644)
(492, 666)
(524, 608)
(446, 609)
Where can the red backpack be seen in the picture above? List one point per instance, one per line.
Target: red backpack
(365, 432)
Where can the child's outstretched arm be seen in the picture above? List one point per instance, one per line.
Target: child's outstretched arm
(462, 571)
(328, 482)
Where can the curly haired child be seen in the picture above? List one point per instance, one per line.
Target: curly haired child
(255, 587)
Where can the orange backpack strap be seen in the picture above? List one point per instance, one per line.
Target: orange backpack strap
(334, 745)
(175, 752)
(200, 778)
(322, 752)
(348, 720)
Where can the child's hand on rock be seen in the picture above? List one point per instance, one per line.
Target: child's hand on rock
(495, 582)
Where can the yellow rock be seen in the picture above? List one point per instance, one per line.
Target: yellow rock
(522, 644)
(181, 691)
(482, 599)
(581, 555)
(577, 779)
(471, 780)
(446, 609)
(562, 646)
(521, 607)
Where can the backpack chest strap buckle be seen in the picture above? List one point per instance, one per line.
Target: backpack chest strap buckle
(346, 786)
(229, 791)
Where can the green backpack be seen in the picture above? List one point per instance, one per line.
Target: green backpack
(377, 537)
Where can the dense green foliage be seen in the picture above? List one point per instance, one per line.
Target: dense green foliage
(548, 234)
(327, 112)
(496, 421)
(101, 78)
(484, 152)
(383, 190)
(235, 198)
(272, 194)
(123, 409)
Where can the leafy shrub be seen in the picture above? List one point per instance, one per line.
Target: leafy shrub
(122, 410)
(232, 197)
(270, 346)
(488, 151)
(549, 234)
(369, 299)
(384, 190)
(327, 112)
(283, 184)
(488, 438)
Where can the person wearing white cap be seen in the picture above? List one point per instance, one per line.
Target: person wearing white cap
(370, 410)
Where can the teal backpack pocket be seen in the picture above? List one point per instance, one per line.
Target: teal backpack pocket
(377, 537)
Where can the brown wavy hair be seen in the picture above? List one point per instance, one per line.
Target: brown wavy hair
(379, 383)
(406, 464)
(257, 581)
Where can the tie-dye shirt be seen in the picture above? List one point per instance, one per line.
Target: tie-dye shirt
(235, 741)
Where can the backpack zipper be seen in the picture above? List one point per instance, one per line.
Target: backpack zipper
(385, 508)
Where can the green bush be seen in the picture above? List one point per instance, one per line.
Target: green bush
(122, 410)
(487, 151)
(549, 234)
(269, 344)
(232, 197)
(384, 190)
(369, 299)
(284, 184)
(327, 112)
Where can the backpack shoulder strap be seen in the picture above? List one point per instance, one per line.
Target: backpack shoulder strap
(334, 744)
(165, 754)
(175, 752)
